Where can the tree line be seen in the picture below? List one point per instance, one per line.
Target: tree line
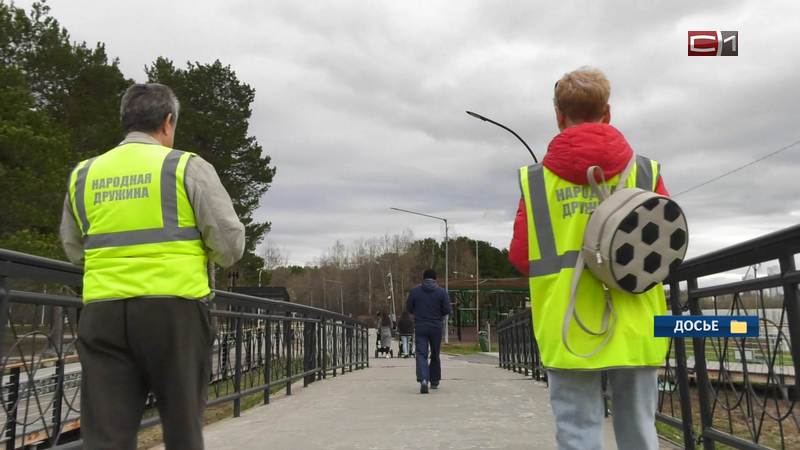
(355, 276)
(59, 104)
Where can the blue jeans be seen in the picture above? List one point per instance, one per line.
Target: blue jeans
(425, 337)
(404, 344)
(576, 398)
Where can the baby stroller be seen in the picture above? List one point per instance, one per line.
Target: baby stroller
(400, 352)
(383, 343)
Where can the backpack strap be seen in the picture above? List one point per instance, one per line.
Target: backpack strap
(601, 190)
(609, 315)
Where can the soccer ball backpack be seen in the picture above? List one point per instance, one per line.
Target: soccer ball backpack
(632, 241)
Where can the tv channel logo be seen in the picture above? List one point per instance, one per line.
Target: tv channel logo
(713, 43)
(705, 326)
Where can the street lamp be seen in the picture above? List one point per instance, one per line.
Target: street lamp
(486, 119)
(477, 293)
(446, 262)
(341, 293)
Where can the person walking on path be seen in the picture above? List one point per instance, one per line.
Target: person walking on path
(143, 219)
(405, 328)
(548, 234)
(430, 304)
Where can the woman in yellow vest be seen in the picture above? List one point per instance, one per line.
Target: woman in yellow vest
(143, 219)
(548, 233)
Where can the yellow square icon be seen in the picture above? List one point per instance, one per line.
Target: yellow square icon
(738, 327)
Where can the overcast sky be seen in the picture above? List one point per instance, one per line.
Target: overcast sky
(361, 104)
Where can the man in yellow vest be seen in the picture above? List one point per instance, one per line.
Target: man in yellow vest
(143, 219)
(548, 234)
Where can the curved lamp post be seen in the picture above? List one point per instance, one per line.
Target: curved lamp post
(486, 119)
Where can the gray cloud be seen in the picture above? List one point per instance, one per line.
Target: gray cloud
(361, 104)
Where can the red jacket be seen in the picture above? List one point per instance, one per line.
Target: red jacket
(568, 156)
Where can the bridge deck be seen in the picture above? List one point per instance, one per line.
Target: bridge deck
(478, 407)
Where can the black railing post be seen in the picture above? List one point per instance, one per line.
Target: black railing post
(365, 337)
(268, 362)
(289, 337)
(248, 349)
(12, 408)
(335, 343)
(324, 348)
(13, 396)
(518, 346)
(364, 345)
(224, 351)
(791, 301)
(682, 372)
(237, 375)
(359, 344)
(701, 371)
(360, 354)
(535, 363)
(309, 351)
(4, 305)
(349, 335)
(58, 393)
(318, 374)
(526, 348)
(344, 348)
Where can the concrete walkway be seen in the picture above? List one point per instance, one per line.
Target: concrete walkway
(479, 406)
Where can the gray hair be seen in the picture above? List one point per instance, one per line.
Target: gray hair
(145, 106)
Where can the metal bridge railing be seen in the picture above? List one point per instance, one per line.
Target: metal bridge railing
(737, 392)
(261, 346)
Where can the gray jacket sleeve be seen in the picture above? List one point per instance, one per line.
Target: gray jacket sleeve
(223, 233)
(71, 237)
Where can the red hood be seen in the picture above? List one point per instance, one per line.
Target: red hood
(590, 144)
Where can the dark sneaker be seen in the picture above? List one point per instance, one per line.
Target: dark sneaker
(434, 385)
(423, 388)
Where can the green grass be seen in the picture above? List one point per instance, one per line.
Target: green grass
(464, 348)
(152, 436)
(669, 433)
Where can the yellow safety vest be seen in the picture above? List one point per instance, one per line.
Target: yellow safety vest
(140, 235)
(557, 212)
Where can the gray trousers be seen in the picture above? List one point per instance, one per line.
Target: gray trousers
(577, 402)
(130, 347)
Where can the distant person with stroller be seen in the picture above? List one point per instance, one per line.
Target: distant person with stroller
(385, 332)
(405, 327)
(430, 304)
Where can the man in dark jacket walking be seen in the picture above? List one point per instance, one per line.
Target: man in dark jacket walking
(430, 304)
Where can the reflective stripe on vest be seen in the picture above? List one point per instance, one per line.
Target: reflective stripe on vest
(80, 189)
(169, 212)
(550, 261)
